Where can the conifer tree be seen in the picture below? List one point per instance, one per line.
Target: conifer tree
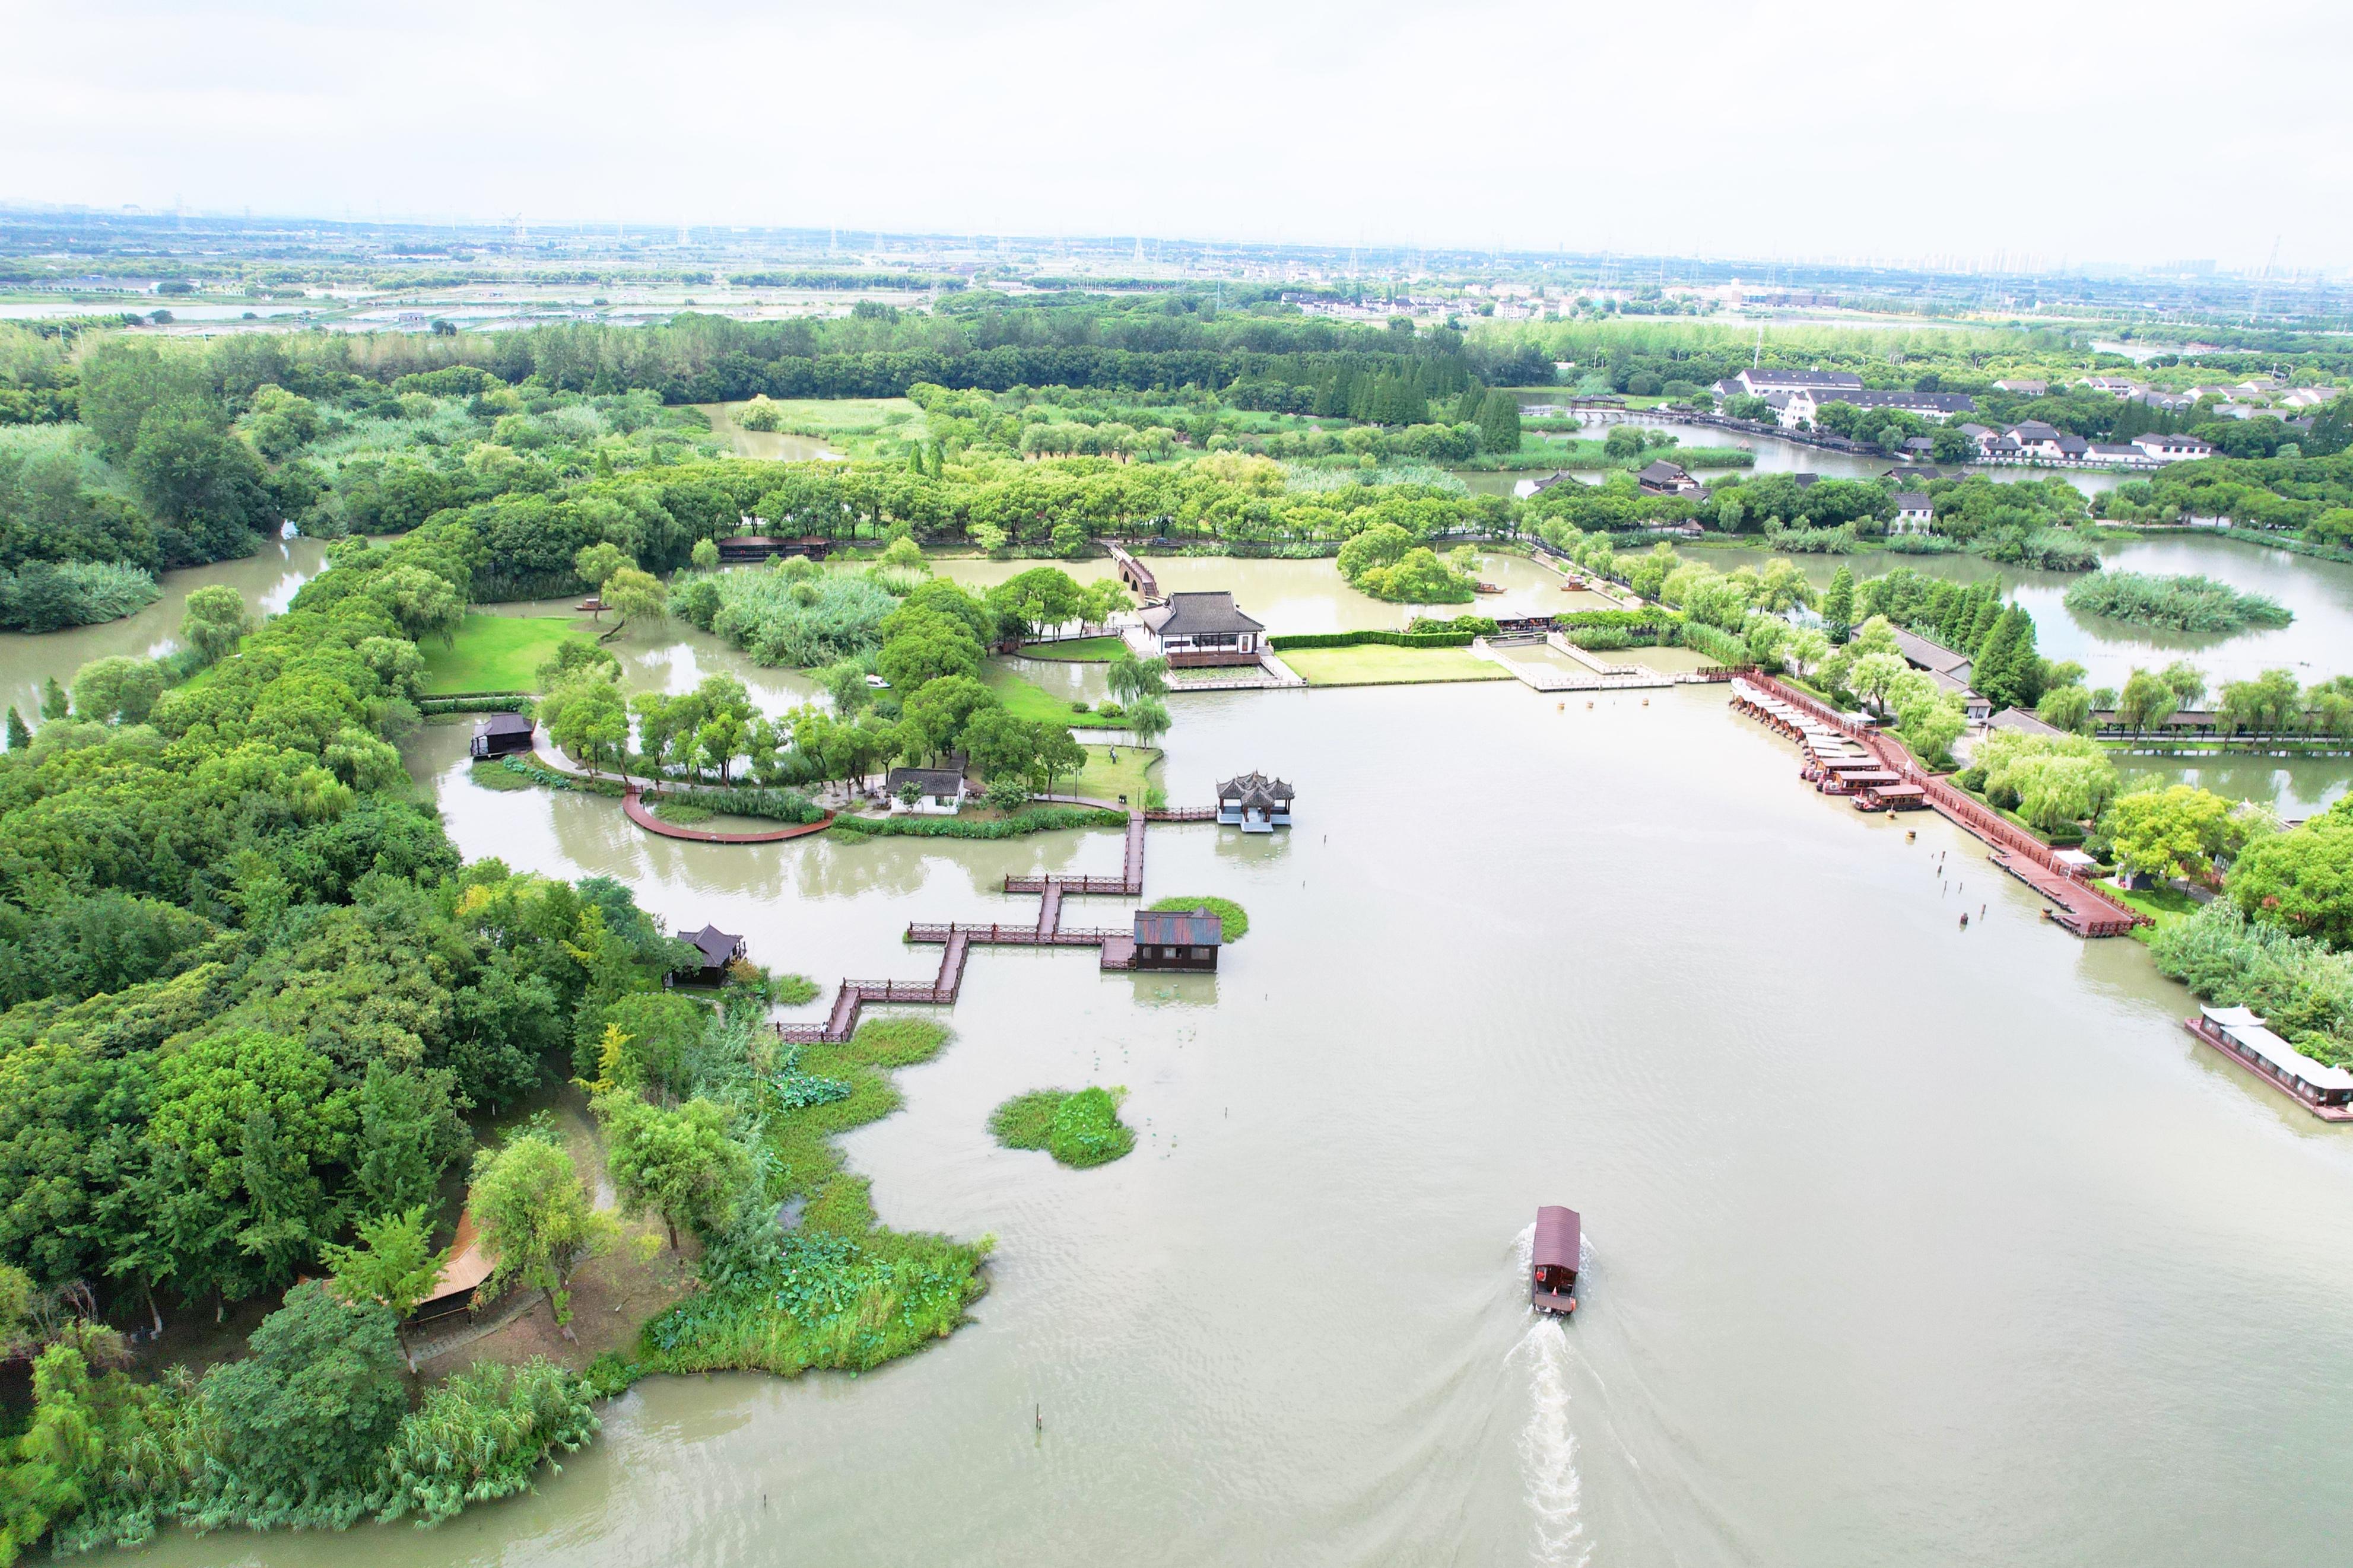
(1838, 604)
(19, 736)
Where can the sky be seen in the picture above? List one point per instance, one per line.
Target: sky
(1953, 134)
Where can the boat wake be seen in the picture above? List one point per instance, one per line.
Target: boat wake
(1555, 1490)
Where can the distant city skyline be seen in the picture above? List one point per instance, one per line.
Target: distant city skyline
(1835, 132)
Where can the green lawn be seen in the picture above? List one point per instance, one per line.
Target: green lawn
(1102, 779)
(1032, 703)
(1378, 664)
(1078, 650)
(496, 653)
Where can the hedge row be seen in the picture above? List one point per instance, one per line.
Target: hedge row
(481, 703)
(1030, 819)
(1353, 639)
(540, 773)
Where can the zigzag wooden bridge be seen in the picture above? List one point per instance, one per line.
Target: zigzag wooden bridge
(956, 941)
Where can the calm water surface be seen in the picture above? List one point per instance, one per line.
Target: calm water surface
(1908, 1244)
(2318, 644)
(267, 581)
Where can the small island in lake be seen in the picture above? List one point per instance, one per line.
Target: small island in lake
(2186, 603)
(1081, 1128)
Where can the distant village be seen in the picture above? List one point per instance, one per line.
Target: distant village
(1798, 397)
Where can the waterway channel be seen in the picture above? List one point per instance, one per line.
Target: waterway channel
(1909, 1244)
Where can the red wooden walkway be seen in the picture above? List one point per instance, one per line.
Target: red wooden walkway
(633, 806)
(2080, 908)
(1118, 946)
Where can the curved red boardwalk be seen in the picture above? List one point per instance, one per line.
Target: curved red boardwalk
(633, 804)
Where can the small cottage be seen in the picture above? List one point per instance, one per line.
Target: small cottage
(503, 734)
(1178, 938)
(718, 950)
(1206, 628)
(1254, 803)
(1664, 478)
(1914, 512)
(924, 791)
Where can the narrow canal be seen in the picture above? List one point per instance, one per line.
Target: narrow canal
(1909, 1244)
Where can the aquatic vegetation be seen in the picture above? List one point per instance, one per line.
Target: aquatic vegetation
(1230, 915)
(840, 1291)
(1081, 1128)
(2194, 603)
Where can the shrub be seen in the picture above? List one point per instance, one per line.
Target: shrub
(481, 1435)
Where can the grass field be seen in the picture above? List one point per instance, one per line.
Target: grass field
(496, 653)
(1078, 650)
(1378, 664)
(1102, 779)
(1033, 704)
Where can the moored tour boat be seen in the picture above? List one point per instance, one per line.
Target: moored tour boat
(1552, 1273)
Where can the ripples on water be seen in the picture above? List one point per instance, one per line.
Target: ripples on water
(1547, 1445)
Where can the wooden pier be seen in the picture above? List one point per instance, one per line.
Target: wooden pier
(956, 940)
(1836, 745)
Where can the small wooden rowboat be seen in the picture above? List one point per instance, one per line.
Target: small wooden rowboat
(1552, 1274)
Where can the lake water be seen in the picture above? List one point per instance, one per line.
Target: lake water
(267, 581)
(1908, 1244)
(776, 445)
(2318, 644)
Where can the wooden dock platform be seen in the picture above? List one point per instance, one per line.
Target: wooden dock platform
(1830, 737)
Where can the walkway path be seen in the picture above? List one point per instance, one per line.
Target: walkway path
(633, 806)
(1117, 947)
(2082, 908)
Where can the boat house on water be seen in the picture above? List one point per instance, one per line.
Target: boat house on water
(1254, 803)
(502, 735)
(2237, 1033)
(1178, 938)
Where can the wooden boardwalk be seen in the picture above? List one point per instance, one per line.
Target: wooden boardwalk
(1117, 946)
(2078, 906)
(633, 806)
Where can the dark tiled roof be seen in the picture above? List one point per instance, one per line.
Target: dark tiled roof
(931, 781)
(2020, 720)
(716, 945)
(504, 724)
(1178, 928)
(1662, 472)
(1258, 783)
(1912, 500)
(1191, 615)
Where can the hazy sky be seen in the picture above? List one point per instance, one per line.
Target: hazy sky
(2136, 131)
